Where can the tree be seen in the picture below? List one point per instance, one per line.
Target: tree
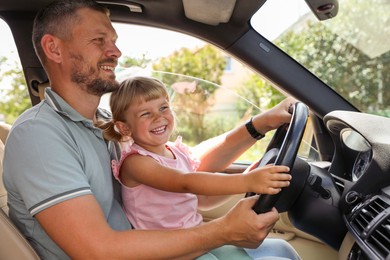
(257, 92)
(14, 99)
(183, 71)
(128, 62)
(358, 73)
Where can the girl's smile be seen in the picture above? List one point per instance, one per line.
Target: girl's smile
(159, 130)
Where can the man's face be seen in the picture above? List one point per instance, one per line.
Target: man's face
(93, 54)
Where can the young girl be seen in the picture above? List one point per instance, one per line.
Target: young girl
(159, 178)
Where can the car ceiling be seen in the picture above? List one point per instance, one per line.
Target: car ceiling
(171, 14)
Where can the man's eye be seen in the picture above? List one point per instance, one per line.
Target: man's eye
(99, 40)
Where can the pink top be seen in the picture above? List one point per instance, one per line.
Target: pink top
(150, 208)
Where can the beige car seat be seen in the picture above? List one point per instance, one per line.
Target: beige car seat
(13, 244)
(4, 129)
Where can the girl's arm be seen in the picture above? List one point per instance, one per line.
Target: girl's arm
(138, 169)
(206, 203)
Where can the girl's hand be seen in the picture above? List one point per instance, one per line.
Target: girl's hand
(269, 179)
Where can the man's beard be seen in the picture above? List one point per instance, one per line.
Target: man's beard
(96, 86)
(88, 81)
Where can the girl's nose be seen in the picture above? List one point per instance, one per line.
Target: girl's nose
(157, 116)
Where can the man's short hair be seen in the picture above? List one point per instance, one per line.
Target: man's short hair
(57, 19)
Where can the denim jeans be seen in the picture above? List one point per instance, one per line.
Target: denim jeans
(270, 249)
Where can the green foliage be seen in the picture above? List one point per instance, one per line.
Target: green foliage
(193, 97)
(204, 63)
(259, 93)
(15, 99)
(343, 66)
(128, 62)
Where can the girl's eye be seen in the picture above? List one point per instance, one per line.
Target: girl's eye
(145, 114)
(164, 108)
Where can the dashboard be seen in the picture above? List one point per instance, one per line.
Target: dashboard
(361, 164)
(361, 169)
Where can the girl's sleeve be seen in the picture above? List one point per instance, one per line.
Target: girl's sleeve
(193, 160)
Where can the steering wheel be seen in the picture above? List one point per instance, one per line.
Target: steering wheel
(284, 146)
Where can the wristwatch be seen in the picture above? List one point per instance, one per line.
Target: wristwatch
(252, 130)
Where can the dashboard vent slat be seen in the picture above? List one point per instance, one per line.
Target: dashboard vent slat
(379, 240)
(366, 214)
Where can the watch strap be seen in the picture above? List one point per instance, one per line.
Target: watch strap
(252, 130)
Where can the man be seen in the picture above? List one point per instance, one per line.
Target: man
(57, 164)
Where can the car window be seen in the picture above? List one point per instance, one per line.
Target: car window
(14, 97)
(349, 52)
(211, 92)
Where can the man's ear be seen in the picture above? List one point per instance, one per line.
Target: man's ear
(123, 128)
(51, 47)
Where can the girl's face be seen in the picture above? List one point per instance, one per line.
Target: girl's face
(151, 123)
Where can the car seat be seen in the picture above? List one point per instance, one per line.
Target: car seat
(4, 129)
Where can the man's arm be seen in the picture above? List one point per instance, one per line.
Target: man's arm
(78, 226)
(223, 150)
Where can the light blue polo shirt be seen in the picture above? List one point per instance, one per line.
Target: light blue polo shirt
(53, 154)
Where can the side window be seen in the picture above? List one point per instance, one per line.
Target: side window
(211, 92)
(228, 66)
(14, 98)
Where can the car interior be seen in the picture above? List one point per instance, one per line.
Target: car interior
(337, 206)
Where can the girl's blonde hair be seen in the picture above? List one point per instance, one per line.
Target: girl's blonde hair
(130, 91)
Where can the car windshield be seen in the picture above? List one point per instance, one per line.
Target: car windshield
(349, 52)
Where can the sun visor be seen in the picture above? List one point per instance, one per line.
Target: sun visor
(212, 12)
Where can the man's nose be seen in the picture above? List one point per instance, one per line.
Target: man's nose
(113, 50)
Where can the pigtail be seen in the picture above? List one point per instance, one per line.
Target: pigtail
(110, 131)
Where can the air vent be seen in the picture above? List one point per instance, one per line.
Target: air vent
(340, 185)
(367, 213)
(379, 239)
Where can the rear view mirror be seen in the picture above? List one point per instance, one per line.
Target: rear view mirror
(323, 9)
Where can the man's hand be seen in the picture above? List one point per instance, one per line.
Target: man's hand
(274, 117)
(243, 227)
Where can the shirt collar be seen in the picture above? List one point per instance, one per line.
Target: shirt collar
(62, 107)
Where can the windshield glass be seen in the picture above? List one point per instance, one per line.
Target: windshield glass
(350, 52)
